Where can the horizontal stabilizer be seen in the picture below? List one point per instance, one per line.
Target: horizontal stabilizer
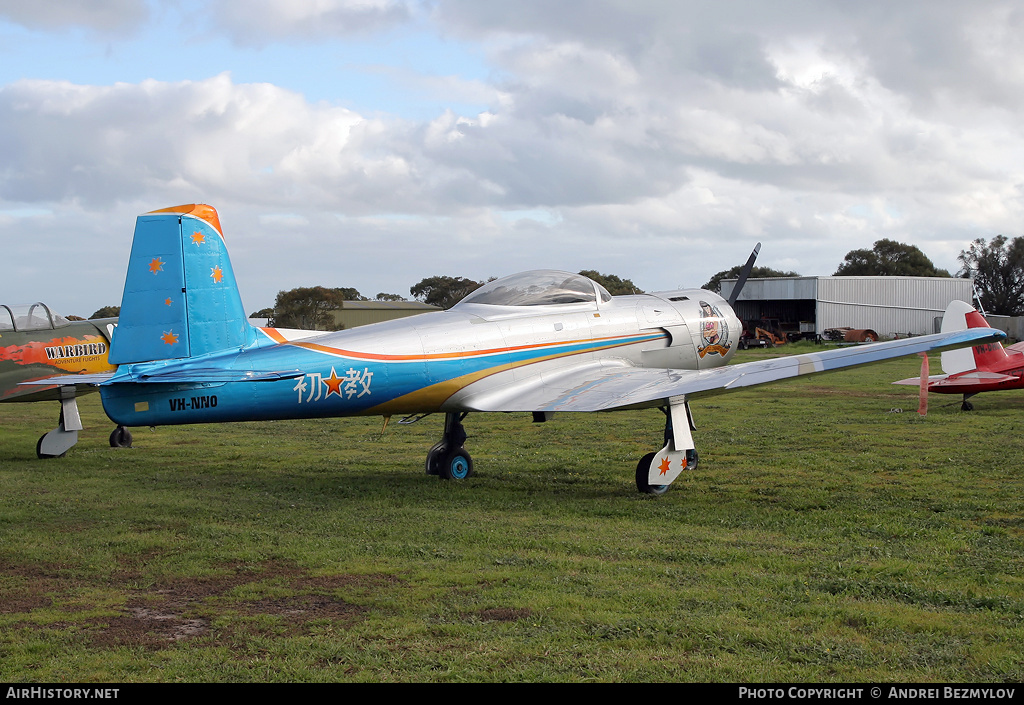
(172, 376)
(211, 374)
(916, 381)
(973, 379)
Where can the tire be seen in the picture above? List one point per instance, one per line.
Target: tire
(642, 469)
(435, 458)
(44, 456)
(457, 465)
(121, 437)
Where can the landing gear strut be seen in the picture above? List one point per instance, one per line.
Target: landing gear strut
(966, 405)
(60, 440)
(678, 454)
(448, 458)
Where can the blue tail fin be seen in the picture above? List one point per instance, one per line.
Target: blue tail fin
(180, 298)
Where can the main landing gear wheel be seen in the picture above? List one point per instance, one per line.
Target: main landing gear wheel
(57, 443)
(457, 465)
(643, 469)
(448, 458)
(435, 458)
(121, 437)
(39, 449)
(967, 406)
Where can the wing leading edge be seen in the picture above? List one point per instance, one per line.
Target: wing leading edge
(617, 385)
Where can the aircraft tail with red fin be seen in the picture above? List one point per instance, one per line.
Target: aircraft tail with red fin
(961, 316)
(180, 297)
(987, 367)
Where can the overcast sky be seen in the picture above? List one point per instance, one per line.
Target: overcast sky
(372, 143)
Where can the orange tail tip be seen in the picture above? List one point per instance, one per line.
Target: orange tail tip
(199, 210)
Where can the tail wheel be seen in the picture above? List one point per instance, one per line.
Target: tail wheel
(121, 437)
(643, 469)
(457, 465)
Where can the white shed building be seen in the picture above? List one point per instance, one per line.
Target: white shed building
(888, 305)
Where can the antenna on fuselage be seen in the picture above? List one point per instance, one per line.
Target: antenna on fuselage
(744, 273)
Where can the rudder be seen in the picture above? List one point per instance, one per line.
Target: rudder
(960, 315)
(180, 297)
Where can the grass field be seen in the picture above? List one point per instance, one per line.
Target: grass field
(824, 537)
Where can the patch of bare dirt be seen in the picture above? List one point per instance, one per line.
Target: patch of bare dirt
(146, 628)
(174, 610)
(24, 588)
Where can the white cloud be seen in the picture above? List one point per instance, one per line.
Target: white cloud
(665, 137)
(261, 22)
(104, 17)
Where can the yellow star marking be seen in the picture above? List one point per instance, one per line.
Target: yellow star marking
(217, 274)
(334, 383)
(157, 265)
(169, 338)
(198, 238)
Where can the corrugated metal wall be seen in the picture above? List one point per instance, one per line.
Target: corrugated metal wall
(888, 305)
(783, 288)
(1013, 326)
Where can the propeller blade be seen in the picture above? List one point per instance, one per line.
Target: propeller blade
(744, 273)
(923, 406)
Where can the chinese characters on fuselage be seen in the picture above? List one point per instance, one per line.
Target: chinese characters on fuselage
(314, 386)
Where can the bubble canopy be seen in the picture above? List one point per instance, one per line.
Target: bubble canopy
(539, 287)
(37, 316)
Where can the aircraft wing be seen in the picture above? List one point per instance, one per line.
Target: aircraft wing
(603, 386)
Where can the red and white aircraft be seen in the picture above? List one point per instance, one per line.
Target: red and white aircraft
(984, 368)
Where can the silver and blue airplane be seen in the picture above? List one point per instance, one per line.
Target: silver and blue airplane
(542, 341)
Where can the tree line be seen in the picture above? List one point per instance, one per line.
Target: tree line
(309, 308)
(997, 267)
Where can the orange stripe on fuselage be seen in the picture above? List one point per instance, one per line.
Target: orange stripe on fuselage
(274, 335)
(316, 347)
